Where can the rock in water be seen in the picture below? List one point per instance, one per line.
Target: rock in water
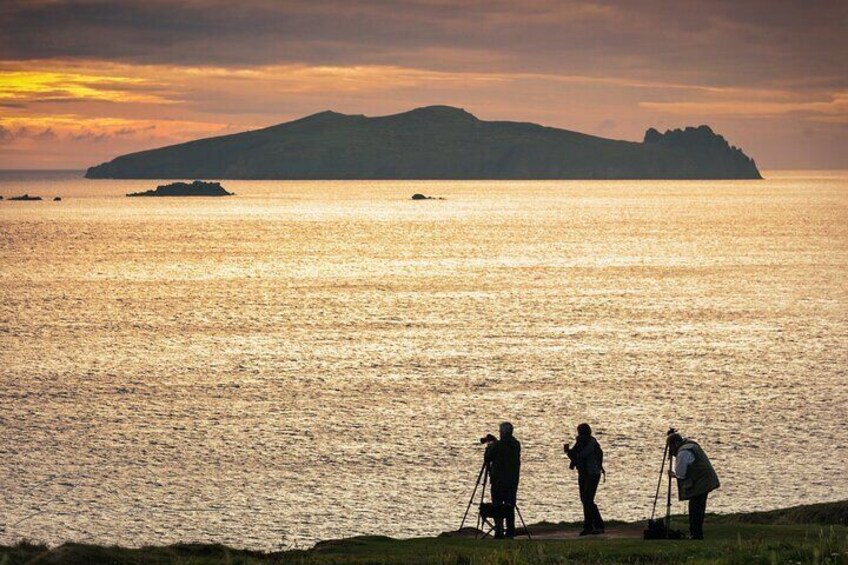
(57, 199)
(25, 197)
(197, 188)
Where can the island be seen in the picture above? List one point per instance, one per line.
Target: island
(419, 196)
(435, 142)
(25, 198)
(196, 188)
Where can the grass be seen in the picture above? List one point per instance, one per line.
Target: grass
(808, 534)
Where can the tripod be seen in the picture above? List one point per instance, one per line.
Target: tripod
(657, 529)
(666, 455)
(483, 516)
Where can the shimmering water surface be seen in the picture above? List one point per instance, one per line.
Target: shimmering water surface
(310, 360)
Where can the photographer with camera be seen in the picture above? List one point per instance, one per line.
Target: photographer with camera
(503, 461)
(696, 478)
(588, 458)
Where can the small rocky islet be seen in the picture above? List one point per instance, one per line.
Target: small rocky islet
(28, 198)
(419, 196)
(196, 188)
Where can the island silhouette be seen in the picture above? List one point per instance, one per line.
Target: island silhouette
(196, 188)
(434, 142)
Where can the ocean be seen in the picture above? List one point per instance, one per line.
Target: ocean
(313, 360)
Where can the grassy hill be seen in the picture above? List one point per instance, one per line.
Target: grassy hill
(805, 534)
(436, 142)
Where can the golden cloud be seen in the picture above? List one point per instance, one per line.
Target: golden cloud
(46, 85)
(73, 126)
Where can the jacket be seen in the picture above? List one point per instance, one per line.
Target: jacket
(587, 456)
(504, 462)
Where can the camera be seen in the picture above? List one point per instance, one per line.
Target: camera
(488, 438)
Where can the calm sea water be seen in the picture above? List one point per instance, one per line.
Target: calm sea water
(311, 360)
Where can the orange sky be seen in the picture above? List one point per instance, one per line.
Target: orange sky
(84, 81)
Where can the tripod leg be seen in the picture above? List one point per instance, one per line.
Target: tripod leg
(520, 517)
(473, 493)
(485, 471)
(659, 482)
(480, 521)
(668, 500)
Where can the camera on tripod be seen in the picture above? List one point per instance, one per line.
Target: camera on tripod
(502, 458)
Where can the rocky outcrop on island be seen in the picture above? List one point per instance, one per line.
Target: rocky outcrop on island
(25, 198)
(436, 142)
(704, 153)
(419, 196)
(196, 188)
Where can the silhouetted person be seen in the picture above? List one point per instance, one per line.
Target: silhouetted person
(503, 458)
(588, 458)
(696, 478)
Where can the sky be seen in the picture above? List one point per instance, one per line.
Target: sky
(83, 81)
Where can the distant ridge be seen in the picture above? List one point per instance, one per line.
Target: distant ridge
(434, 142)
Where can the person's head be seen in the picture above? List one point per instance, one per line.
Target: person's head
(505, 430)
(675, 440)
(584, 430)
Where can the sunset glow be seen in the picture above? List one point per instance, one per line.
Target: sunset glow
(142, 85)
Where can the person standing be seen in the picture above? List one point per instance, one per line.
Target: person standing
(588, 458)
(503, 460)
(696, 479)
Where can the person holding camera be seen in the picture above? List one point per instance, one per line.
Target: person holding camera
(696, 478)
(588, 458)
(503, 461)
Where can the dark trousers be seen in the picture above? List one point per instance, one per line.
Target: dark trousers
(591, 515)
(505, 496)
(697, 510)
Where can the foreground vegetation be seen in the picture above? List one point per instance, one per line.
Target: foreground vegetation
(806, 534)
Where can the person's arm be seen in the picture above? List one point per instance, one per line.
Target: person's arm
(519, 465)
(581, 452)
(601, 461)
(572, 452)
(681, 467)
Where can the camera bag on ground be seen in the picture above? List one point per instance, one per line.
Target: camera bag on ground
(657, 530)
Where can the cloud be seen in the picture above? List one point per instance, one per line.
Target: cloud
(18, 86)
(72, 127)
(142, 73)
(734, 41)
(834, 110)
